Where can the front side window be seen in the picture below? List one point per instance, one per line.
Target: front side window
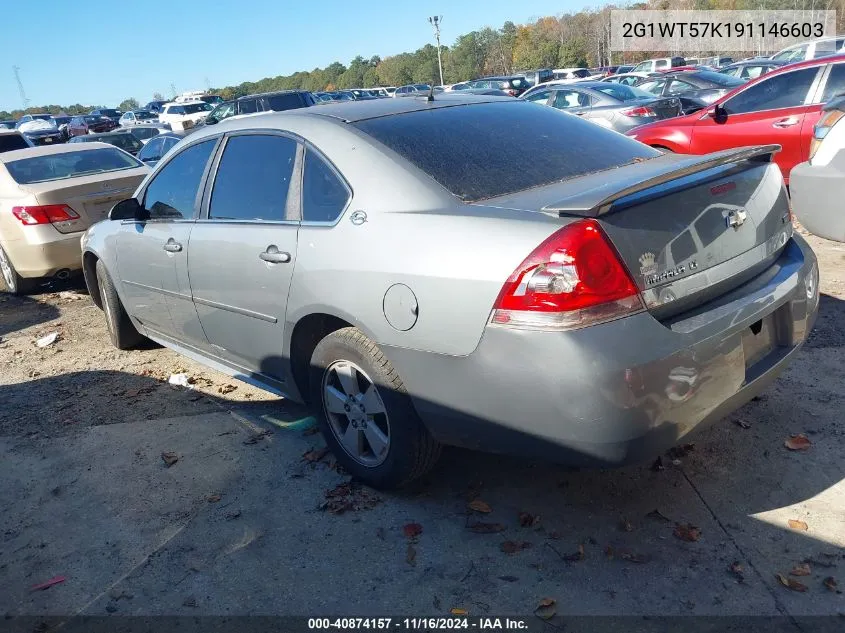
(253, 178)
(324, 196)
(539, 96)
(173, 191)
(788, 90)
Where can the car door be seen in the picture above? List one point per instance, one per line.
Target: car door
(152, 254)
(242, 251)
(769, 111)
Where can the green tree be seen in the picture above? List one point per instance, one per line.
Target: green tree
(157, 96)
(128, 104)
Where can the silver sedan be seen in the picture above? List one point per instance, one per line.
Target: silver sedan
(476, 271)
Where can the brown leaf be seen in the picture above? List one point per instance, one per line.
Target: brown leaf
(800, 570)
(486, 528)
(526, 519)
(631, 557)
(169, 459)
(546, 608)
(480, 506)
(214, 498)
(687, 532)
(227, 388)
(795, 524)
(412, 530)
(743, 424)
(830, 583)
(512, 547)
(798, 442)
(315, 454)
(411, 555)
(577, 556)
(625, 525)
(794, 585)
(457, 611)
(657, 514)
(257, 437)
(737, 570)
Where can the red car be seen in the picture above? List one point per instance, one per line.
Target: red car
(780, 107)
(90, 124)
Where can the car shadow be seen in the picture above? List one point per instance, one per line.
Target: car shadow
(18, 313)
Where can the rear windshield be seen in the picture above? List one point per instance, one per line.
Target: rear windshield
(193, 108)
(124, 141)
(144, 115)
(502, 147)
(69, 165)
(9, 142)
(623, 92)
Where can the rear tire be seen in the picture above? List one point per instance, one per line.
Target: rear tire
(13, 282)
(121, 329)
(389, 445)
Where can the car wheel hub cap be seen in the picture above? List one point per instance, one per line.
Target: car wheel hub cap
(356, 413)
(6, 269)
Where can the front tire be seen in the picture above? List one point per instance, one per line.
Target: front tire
(14, 283)
(365, 413)
(122, 332)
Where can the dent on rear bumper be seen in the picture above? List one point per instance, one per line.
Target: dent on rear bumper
(616, 393)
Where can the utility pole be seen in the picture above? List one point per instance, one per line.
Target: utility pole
(435, 21)
(20, 87)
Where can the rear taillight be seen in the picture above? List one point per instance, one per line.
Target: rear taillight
(45, 214)
(572, 280)
(639, 111)
(821, 129)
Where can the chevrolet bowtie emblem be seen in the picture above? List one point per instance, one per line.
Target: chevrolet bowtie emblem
(737, 217)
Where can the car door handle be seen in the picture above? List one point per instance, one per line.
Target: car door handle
(172, 246)
(273, 255)
(787, 122)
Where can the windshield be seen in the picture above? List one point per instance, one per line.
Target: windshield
(124, 141)
(193, 108)
(144, 115)
(719, 79)
(69, 165)
(553, 146)
(623, 92)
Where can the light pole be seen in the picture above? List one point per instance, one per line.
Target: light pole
(435, 22)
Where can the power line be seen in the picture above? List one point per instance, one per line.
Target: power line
(24, 100)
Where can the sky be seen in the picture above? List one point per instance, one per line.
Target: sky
(105, 52)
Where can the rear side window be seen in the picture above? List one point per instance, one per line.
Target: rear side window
(278, 103)
(835, 82)
(781, 91)
(9, 142)
(152, 150)
(324, 196)
(553, 146)
(247, 106)
(172, 193)
(253, 178)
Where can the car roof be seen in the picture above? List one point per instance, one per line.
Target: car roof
(278, 92)
(49, 150)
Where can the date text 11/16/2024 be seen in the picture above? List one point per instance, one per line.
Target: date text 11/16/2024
(417, 624)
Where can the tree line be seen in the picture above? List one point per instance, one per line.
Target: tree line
(579, 38)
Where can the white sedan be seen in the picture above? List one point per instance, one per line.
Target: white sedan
(183, 116)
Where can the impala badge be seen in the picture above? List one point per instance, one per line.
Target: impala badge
(736, 217)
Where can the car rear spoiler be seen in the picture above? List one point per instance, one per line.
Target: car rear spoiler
(654, 176)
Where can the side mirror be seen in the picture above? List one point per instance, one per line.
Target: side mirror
(718, 114)
(129, 209)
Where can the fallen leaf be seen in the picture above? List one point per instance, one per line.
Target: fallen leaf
(577, 556)
(231, 516)
(657, 466)
(214, 498)
(480, 506)
(169, 459)
(798, 442)
(315, 454)
(227, 388)
(349, 496)
(512, 547)
(657, 514)
(795, 524)
(546, 609)
(457, 611)
(737, 570)
(794, 585)
(257, 437)
(412, 530)
(800, 570)
(830, 583)
(742, 424)
(687, 532)
(626, 526)
(49, 583)
(526, 519)
(411, 555)
(486, 528)
(631, 557)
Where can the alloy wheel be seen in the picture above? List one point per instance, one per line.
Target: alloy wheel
(356, 413)
(6, 270)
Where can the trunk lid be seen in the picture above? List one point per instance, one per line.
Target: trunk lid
(688, 228)
(92, 197)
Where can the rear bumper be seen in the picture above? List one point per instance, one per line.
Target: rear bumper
(623, 391)
(816, 193)
(44, 251)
